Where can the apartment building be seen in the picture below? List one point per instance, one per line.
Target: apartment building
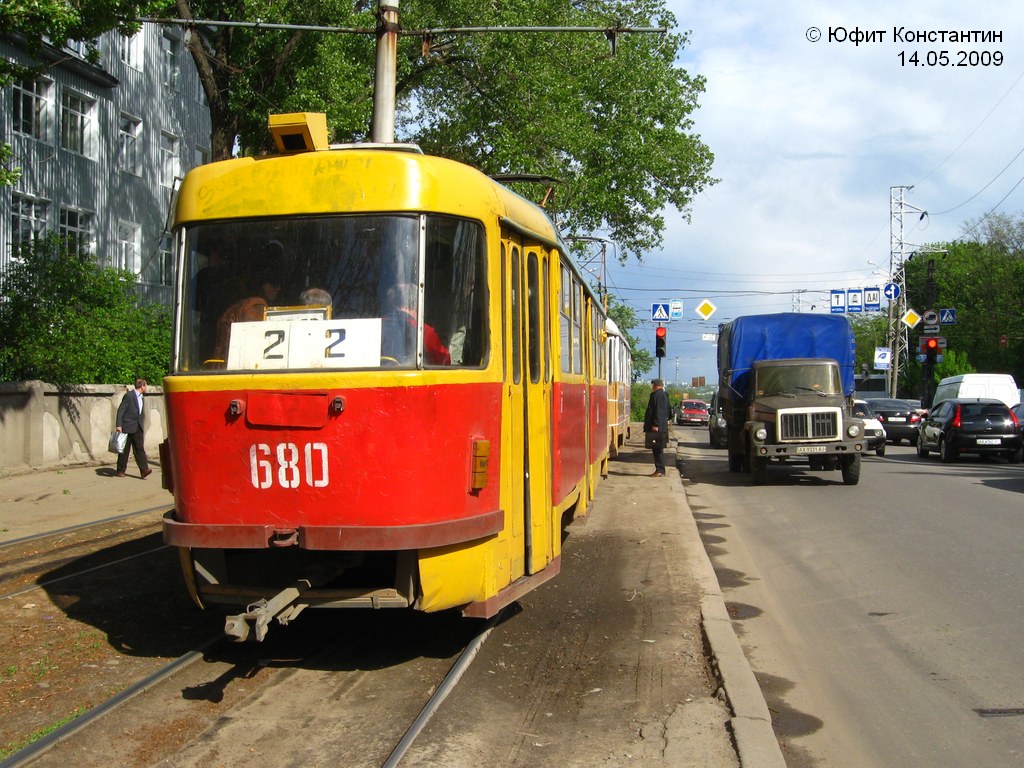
(102, 148)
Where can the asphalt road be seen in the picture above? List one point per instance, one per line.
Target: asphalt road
(884, 620)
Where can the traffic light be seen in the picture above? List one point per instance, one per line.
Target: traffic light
(931, 349)
(660, 339)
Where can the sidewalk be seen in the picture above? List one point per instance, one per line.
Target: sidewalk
(41, 501)
(53, 499)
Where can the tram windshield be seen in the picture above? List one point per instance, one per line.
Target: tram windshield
(382, 291)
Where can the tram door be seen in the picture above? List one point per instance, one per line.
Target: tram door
(538, 409)
(529, 392)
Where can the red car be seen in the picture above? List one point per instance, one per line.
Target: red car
(693, 412)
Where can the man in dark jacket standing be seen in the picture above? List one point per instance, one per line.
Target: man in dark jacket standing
(130, 417)
(656, 421)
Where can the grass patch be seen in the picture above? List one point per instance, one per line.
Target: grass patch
(14, 747)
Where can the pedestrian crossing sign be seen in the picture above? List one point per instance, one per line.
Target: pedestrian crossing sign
(660, 313)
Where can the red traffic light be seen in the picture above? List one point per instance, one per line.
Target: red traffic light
(930, 344)
(660, 341)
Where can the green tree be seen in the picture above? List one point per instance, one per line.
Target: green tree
(869, 331)
(39, 21)
(67, 320)
(615, 130)
(983, 279)
(8, 176)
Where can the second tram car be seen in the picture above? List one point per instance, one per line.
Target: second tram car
(620, 373)
(389, 384)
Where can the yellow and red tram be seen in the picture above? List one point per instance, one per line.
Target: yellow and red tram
(390, 385)
(620, 380)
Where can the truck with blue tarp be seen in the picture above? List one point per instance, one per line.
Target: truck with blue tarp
(786, 384)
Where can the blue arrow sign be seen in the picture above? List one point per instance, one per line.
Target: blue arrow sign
(891, 291)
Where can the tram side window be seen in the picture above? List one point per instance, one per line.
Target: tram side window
(455, 292)
(565, 319)
(577, 327)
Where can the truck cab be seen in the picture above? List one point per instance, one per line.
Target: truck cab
(798, 411)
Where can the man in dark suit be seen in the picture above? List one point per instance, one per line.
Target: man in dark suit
(130, 417)
(656, 420)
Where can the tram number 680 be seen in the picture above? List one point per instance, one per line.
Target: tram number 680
(288, 465)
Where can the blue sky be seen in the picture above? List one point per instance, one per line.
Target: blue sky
(808, 139)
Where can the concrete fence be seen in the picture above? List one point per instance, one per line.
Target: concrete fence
(44, 426)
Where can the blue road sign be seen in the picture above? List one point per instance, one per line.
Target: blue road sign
(660, 313)
(838, 302)
(854, 300)
(947, 317)
(872, 300)
(891, 291)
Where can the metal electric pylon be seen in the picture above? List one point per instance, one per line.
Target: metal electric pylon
(897, 334)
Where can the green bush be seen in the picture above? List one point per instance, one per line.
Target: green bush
(66, 320)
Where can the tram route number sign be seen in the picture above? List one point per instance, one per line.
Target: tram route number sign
(298, 343)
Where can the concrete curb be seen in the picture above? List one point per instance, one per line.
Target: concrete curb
(756, 743)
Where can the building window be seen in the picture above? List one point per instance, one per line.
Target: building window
(129, 246)
(130, 129)
(200, 91)
(169, 169)
(29, 107)
(130, 50)
(165, 261)
(170, 59)
(201, 156)
(28, 219)
(75, 122)
(76, 228)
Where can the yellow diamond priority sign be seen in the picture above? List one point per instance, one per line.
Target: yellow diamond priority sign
(706, 309)
(911, 318)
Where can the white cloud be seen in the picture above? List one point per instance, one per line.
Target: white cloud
(808, 139)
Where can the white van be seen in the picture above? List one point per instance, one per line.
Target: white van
(998, 386)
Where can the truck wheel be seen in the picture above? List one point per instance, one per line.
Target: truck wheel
(735, 461)
(851, 469)
(758, 469)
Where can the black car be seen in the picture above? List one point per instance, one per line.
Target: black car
(899, 418)
(718, 432)
(970, 425)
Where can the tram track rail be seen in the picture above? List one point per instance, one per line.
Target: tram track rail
(61, 564)
(199, 670)
(7, 545)
(31, 558)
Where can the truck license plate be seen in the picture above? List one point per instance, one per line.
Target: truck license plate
(989, 441)
(811, 449)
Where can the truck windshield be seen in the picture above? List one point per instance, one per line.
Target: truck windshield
(798, 380)
(367, 291)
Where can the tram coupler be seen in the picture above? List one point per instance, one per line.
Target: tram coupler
(258, 615)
